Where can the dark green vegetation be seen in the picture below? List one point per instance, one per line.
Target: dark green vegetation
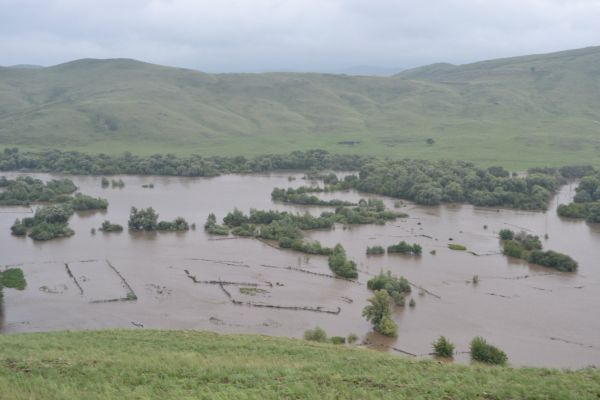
(529, 247)
(12, 278)
(378, 312)
(11, 159)
(586, 203)
(397, 287)
(146, 364)
(25, 190)
(340, 265)
(443, 348)
(82, 202)
(497, 112)
(432, 183)
(459, 247)
(319, 335)
(483, 352)
(423, 182)
(300, 196)
(146, 219)
(375, 250)
(211, 226)
(287, 228)
(107, 226)
(315, 335)
(405, 248)
(48, 222)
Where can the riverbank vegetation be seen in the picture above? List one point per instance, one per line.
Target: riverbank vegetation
(24, 190)
(300, 196)
(529, 247)
(443, 348)
(287, 228)
(486, 353)
(586, 202)
(424, 182)
(72, 162)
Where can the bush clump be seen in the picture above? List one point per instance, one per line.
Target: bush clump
(396, 287)
(315, 335)
(405, 248)
(340, 265)
(337, 340)
(483, 352)
(375, 250)
(529, 248)
(443, 348)
(506, 234)
(107, 226)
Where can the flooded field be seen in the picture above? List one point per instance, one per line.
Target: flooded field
(539, 316)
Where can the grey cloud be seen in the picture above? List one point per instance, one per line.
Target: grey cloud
(315, 35)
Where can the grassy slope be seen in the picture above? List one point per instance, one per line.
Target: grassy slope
(523, 111)
(185, 364)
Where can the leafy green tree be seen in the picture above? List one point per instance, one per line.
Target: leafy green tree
(378, 312)
(143, 219)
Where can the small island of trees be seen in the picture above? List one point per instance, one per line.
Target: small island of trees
(529, 247)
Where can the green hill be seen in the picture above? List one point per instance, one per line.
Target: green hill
(197, 365)
(522, 111)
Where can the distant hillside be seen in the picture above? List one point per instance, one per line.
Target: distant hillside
(522, 111)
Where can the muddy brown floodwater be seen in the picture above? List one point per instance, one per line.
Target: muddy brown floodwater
(540, 317)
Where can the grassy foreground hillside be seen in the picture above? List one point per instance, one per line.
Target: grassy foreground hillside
(517, 112)
(186, 365)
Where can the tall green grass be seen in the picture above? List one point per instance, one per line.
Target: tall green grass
(198, 365)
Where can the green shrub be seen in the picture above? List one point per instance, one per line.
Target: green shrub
(553, 259)
(340, 265)
(513, 249)
(315, 335)
(337, 340)
(506, 234)
(443, 348)
(18, 229)
(486, 353)
(405, 248)
(13, 278)
(108, 227)
(352, 338)
(375, 250)
(387, 327)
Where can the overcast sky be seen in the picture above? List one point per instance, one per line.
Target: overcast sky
(294, 35)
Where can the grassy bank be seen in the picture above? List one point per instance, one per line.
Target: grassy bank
(186, 364)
